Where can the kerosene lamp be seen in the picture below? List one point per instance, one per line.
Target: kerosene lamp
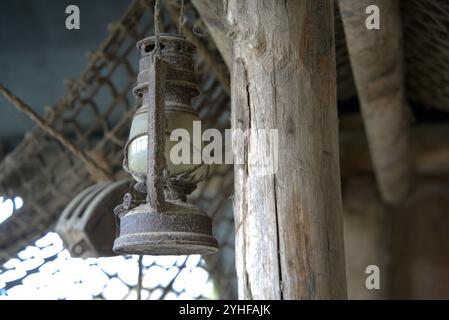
(166, 223)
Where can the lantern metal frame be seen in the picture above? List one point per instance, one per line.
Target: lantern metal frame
(166, 224)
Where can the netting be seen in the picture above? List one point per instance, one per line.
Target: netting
(426, 49)
(45, 270)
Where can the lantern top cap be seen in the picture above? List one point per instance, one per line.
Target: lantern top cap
(167, 39)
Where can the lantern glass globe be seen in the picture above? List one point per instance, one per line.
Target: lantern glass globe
(138, 145)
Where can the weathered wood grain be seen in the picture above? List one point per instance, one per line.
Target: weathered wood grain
(289, 241)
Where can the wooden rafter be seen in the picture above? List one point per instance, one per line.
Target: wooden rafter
(377, 65)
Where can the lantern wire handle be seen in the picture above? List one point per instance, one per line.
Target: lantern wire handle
(181, 18)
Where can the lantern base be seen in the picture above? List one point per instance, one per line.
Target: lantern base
(181, 229)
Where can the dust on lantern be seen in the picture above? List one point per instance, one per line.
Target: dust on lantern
(166, 223)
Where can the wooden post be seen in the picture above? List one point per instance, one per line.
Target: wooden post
(289, 241)
(376, 60)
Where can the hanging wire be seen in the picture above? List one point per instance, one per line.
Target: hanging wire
(181, 18)
(157, 9)
(139, 279)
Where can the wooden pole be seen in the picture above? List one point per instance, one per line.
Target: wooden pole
(289, 235)
(376, 60)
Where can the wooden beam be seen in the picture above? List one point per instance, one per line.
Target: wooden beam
(289, 235)
(377, 65)
(211, 11)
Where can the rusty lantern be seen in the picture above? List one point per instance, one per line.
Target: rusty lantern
(165, 224)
